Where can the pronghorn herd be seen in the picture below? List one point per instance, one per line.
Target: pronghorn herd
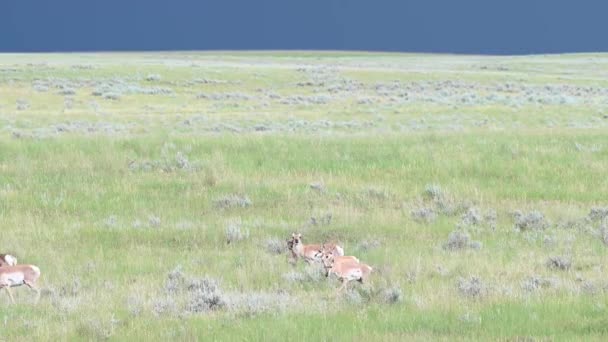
(331, 256)
(13, 274)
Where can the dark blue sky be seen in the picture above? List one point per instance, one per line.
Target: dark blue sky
(456, 26)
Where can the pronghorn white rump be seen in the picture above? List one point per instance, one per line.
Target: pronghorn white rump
(310, 253)
(7, 260)
(12, 276)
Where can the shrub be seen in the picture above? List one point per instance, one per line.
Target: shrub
(433, 192)
(423, 215)
(558, 262)
(311, 274)
(471, 217)
(23, 104)
(377, 194)
(321, 220)
(174, 280)
(458, 240)
(320, 187)
(353, 297)
(294, 277)
(111, 221)
(154, 221)
(111, 96)
(67, 91)
(164, 306)
(233, 201)
(134, 305)
(392, 295)
(153, 77)
(182, 160)
(535, 283)
(41, 88)
(275, 246)
(472, 287)
(603, 231)
(205, 295)
(234, 231)
(253, 303)
(534, 220)
(476, 245)
(598, 213)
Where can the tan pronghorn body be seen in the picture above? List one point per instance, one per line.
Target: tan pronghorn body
(337, 260)
(310, 253)
(7, 260)
(345, 269)
(11, 276)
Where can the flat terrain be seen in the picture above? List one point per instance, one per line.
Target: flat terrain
(156, 190)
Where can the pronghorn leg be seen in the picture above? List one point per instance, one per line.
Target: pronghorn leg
(292, 258)
(343, 287)
(10, 295)
(35, 289)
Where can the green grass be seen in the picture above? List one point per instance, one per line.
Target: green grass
(79, 184)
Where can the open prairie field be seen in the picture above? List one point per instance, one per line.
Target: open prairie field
(156, 192)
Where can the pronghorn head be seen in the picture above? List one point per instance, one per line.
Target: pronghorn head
(296, 238)
(327, 257)
(319, 253)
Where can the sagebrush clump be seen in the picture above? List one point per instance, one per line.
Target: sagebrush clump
(534, 220)
(459, 240)
(275, 246)
(233, 201)
(204, 295)
(472, 287)
(559, 262)
(235, 231)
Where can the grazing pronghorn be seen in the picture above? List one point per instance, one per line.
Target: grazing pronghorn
(12, 276)
(346, 270)
(310, 252)
(7, 260)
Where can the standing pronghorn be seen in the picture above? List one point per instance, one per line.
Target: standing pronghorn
(7, 260)
(12, 276)
(345, 270)
(310, 253)
(337, 259)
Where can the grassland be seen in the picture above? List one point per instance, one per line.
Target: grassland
(475, 186)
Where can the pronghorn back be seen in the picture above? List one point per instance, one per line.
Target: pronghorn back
(346, 268)
(351, 270)
(18, 275)
(310, 252)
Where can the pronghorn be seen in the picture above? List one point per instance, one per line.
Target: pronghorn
(12, 276)
(310, 252)
(7, 260)
(346, 270)
(337, 259)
